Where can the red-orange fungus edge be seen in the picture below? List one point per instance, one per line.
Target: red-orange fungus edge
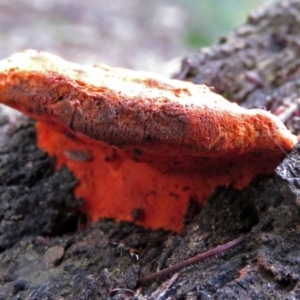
(115, 186)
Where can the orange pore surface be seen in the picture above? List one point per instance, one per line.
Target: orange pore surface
(114, 186)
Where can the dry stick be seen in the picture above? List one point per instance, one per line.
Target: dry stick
(193, 260)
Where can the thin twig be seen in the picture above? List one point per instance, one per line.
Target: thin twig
(192, 260)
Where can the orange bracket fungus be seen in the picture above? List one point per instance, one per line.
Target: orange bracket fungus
(141, 146)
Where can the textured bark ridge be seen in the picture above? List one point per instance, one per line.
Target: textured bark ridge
(138, 142)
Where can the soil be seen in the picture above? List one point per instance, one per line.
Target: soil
(48, 250)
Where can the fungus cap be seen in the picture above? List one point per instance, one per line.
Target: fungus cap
(138, 142)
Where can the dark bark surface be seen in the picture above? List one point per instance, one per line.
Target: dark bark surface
(48, 250)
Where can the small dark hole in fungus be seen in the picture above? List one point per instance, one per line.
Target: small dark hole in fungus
(70, 135)
(113, 157)
(137, 152)
(174, 195)
(60, 98)
(186, 188)
(137, 214)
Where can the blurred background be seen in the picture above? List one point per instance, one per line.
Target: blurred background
(137, 34)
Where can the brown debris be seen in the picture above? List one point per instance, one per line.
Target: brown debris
(54, 255)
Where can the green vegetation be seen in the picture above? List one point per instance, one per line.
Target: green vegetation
(207, 21)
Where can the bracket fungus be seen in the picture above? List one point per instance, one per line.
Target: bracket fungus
(141, 146)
